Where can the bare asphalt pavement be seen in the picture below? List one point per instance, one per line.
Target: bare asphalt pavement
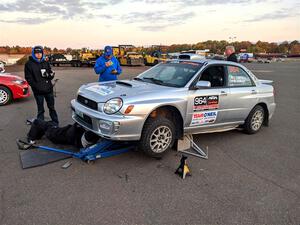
(248, 179)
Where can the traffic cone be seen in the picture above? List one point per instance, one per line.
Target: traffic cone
(183, 169)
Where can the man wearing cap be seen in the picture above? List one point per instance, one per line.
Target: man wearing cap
(38, 74)
(107, 66)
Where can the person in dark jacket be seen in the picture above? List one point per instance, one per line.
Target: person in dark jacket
(72, 134)
(107, 66)
(230, 53)
(38, 74)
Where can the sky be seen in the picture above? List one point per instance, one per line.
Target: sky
(96, 23)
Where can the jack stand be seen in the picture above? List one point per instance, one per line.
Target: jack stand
(188, 143)
(183, 169)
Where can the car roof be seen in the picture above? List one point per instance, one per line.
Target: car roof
(210, 61)
(192, 56)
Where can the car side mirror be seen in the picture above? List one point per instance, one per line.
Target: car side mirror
(203, 84)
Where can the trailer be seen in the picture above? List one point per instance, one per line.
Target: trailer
(76, 61)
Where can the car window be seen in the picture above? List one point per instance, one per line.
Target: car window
(175, 74)
(215, 75)
(238, 77)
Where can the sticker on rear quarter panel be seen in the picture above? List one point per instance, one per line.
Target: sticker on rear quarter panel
(200, 118)
(206, 102)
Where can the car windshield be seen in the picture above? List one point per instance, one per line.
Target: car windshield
(173, 74)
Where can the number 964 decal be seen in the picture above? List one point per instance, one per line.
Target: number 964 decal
(206, 102)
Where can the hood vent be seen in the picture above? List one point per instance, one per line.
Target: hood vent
(124, 83)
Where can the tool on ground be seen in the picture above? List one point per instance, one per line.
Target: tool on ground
(66, 165)
(183, 169)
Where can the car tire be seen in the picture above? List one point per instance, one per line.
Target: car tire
(158, 136)
(254, 120)
(5, 96)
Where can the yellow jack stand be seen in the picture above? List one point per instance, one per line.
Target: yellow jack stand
(183, 169)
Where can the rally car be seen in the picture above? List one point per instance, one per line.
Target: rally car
(12, 87)
(175, 98)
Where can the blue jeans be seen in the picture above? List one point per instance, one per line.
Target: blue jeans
(50, 103)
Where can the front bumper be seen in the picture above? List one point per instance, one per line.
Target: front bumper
(114, 127)
(20, 91)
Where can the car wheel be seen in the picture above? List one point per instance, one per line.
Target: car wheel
(5, 96)
(157, 137)
(254, 120)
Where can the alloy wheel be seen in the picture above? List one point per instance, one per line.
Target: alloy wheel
(160, 139)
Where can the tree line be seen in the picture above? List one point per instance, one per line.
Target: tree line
(218, 47)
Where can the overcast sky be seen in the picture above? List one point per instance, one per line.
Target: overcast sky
(95, 23)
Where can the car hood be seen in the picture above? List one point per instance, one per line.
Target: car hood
(101, 92)
(9, 76)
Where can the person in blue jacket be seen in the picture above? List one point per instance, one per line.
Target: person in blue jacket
(107, 66)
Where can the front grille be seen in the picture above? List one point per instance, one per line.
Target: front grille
(86, 120)
(87, 102)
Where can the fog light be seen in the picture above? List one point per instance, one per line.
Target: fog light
(105, 126)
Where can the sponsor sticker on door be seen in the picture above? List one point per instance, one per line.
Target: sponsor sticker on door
(200, 118)
(206, 102)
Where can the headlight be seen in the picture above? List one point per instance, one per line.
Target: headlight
(113, 105)
(18, 81)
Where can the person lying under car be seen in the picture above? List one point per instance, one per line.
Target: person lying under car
(72, 134)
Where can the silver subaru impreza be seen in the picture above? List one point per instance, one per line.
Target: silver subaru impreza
(173, 99)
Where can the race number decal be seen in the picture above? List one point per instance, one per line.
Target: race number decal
(206, 102)
(201, 118)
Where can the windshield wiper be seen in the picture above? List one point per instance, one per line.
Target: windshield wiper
(171, 85)
(154, 80)
(139, 79)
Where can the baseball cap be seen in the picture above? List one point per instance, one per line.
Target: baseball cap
(108, 51)
(38, 50)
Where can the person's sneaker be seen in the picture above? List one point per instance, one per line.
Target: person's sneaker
(31, 142)
(30, 121)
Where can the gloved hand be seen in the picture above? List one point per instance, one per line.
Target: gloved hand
(114, 72)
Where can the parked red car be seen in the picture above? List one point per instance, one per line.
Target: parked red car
(12, 87)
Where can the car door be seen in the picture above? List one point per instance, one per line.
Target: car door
(243, 93)
(207, 107)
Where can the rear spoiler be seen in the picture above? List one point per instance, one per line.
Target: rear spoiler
(266, 81)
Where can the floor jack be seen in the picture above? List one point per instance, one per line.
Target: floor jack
(103, 149)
